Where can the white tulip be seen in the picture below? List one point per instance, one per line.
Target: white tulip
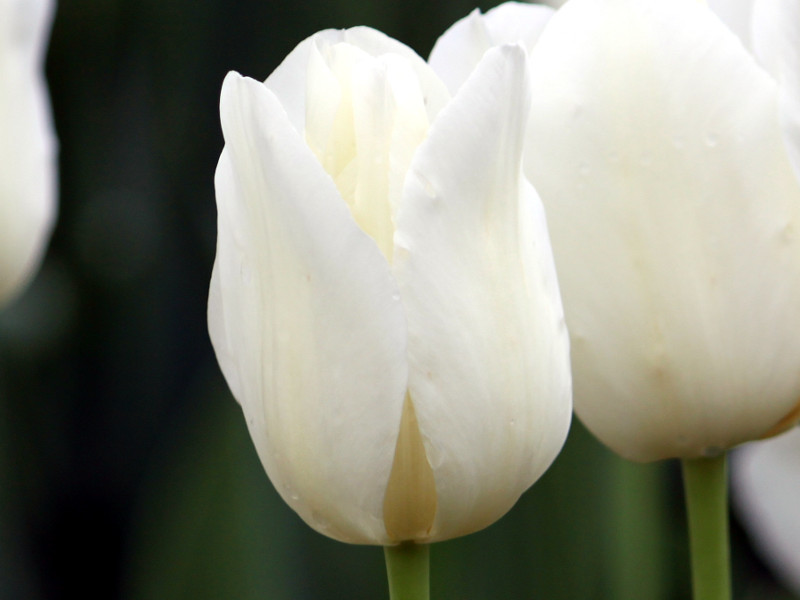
(766, 487)
(27, 143)
(661, 150)
(383, 303)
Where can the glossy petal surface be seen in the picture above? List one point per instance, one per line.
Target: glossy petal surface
(306, 322)
(656, 147)
(28, 146)
(461, 47)
(488, 348)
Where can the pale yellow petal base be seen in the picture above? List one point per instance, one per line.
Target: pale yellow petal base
(409, 505)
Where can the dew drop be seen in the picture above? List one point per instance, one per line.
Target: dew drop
(711, 139)
(678, 143)
(583, 169)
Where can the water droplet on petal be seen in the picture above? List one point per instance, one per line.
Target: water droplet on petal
(711, 139)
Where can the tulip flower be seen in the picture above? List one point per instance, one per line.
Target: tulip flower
(766, 487)
(28, 145)
(383, 303)
(658, 149)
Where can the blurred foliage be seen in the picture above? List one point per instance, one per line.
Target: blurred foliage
(126, 468)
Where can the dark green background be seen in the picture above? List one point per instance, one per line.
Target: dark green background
(126, 468)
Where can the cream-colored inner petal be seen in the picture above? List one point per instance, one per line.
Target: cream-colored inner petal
(409, 506)
(365, 117)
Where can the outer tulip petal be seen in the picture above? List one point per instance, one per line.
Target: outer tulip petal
(766, 488)
(288, 81)
(776, 42)
(736, 14)
(306, 321)
(488, 347)
(675, 219)
(461, 47)
(28, 145)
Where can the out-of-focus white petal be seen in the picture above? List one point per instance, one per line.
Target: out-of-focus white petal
(456, 53)
(737, 15)
(776, 42)
(765, 477)
(306, 321)
(488, 348)
(28, 179)
(675, 218)
(289, 80)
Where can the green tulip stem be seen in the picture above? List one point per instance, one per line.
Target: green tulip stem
(407, 566)
(706, 488)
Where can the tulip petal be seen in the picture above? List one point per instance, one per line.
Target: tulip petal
(488, 349)
(456, 53)
(737, 15)
(776, 42)
(675, 219)
(368, 114)
(289, 80)
(28, 182)
(306, 321)
(765, 478)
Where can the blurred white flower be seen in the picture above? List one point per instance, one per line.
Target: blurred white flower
(384, 304)
(766, 491)
(657, 147)
(27, 143)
